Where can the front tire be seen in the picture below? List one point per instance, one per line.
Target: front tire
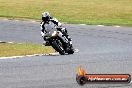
(70, 51)
(58, 48)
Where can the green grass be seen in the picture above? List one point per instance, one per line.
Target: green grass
(23, 49)
(109, 12)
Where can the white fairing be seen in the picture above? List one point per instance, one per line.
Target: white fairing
(49, 27)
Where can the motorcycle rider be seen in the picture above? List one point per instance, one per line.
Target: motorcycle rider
(48, 23)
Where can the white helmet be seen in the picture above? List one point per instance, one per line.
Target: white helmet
(45, 16)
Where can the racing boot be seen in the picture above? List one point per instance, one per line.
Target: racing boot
(46, 42)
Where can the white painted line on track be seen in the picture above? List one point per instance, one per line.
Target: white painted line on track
(33, 21)
(56, 53)
(13, 57)
(117, 26)
(17, 20)
(100, 25)
(10, 42)
(5, 19)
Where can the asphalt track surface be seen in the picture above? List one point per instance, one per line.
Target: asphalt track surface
(102, 49)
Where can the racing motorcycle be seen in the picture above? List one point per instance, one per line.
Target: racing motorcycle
(59, 43)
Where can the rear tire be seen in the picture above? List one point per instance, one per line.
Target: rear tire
(57, 48)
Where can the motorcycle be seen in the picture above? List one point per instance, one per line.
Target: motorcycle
(61, 45)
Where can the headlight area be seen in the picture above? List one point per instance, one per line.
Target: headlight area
(54, 33)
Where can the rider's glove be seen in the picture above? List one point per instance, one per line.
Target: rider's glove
(59, 24)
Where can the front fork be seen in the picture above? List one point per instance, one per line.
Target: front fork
(65, 40)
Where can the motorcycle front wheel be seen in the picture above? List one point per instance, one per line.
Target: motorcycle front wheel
(58, 47)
